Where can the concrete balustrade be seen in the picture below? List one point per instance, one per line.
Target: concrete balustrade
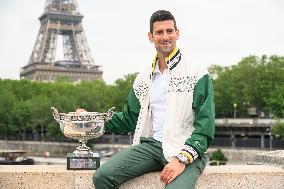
(57, 177)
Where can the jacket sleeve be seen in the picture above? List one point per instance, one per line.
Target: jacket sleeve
(204, 120)
(125, 121)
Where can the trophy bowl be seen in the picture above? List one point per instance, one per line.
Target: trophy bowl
(82, 126)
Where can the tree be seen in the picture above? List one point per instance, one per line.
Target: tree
(40, 113)
(278, 130)
(21, 117)
(122, 88)
(253, 82)
(7, 102)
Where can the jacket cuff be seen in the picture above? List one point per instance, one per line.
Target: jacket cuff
(189, 152)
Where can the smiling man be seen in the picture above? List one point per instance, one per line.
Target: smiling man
(171, 110)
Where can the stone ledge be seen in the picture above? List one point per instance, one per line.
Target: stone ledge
(57, 177)
(275, 158)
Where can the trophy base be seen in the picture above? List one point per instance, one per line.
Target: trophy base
(90, 162)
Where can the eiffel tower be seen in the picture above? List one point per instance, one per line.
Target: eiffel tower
(61, 18)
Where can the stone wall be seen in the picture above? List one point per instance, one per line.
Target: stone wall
(220, 177)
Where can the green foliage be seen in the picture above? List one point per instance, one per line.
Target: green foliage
(255, 82)
(218, 155)
(122, 87)
(7, 103)
(25, 105)
(53, 129)
(278, 130)
(21, 116)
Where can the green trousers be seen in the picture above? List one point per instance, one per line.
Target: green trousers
(140, 159)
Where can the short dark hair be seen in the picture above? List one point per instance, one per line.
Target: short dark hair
(161, 15)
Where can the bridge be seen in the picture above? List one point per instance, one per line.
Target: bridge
(254, 132)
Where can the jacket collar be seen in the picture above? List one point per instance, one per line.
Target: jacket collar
(172, 60)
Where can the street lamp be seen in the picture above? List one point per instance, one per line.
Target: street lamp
(235, 110)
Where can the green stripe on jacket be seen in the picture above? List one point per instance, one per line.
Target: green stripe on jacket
(125, 121)
(204, 121)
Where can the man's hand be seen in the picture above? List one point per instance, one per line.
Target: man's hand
(172, 170)
(78, 111)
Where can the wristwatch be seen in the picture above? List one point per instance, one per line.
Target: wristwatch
(182, 159)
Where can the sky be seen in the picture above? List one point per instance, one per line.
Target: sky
(218, 32)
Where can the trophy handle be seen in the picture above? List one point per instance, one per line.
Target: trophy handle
(109, 114)
(55, 114)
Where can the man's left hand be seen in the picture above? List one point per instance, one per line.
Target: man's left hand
(172, 170)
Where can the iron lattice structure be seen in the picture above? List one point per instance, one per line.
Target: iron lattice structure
(61, 17)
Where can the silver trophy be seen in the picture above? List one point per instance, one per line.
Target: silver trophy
(82, 126)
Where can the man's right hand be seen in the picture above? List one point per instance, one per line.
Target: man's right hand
(78, 111)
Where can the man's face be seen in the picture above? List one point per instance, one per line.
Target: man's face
(164, 36)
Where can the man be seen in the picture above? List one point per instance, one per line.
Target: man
(171, 110)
